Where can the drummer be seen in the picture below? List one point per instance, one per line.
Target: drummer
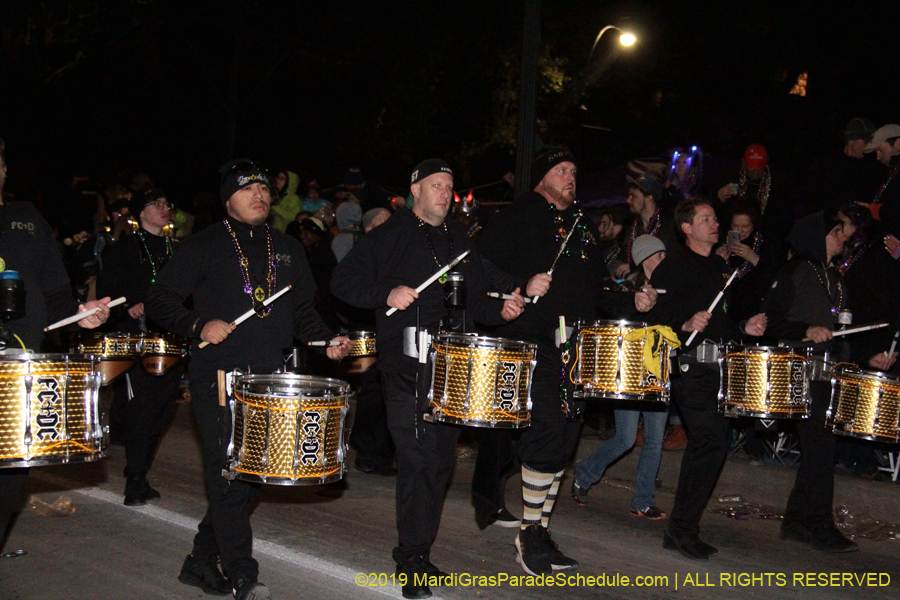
(229, 268)
(31, 250)
(132, 265)
(803, 304)
(380, 272)
(523, 240)
(692, 276)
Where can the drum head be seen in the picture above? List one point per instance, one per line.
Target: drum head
(291, 385)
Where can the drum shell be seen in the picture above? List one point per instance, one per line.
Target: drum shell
(117, 351)
(608, 366)
(63, 418)
(162, 351)
(287, 429)
(864, 404)
(764, 382)
(363, 353)
(481, 381)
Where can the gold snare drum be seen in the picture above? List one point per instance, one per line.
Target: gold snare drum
(48, 410)
(481, 381)
(765, 382)
(117, 351)
(610, 366)
(287, 429)
(161, 351)
(864, 404)
(363, 353)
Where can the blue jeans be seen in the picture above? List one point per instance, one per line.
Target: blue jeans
(590, 470)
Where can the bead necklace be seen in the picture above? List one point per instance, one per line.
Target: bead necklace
(746, 265)
(652, 229)
(257, 296)
(169, 250)
(887, 183)
(585, 237)
(836, 303)
(762, 195)
(424, 226)
(854, 256)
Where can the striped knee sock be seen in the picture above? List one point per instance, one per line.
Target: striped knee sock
(551, 499)
(535, 487)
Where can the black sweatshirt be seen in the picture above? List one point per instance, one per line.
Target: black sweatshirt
(398, 253)
(206, 267)
(522, 240)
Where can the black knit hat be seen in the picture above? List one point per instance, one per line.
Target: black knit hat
(546, 160)
(238, 174)
(141, 199)
(429, 167)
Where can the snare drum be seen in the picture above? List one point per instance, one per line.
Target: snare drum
(161, 351)
(481, 381)
(287, 429)
(49, 413)
(864, 404)
(609, 366)
(363, 353)
(764, 382)
(117, 351)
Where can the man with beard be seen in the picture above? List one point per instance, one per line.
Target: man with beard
(228, 268)
(381, 272)
(523, 240)
(644, 195)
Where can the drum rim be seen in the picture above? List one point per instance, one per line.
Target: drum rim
(782, 350)
(51, 357)
(481, 339)
(360, 335)
(857, 370)
(584, 323)
(258, 377)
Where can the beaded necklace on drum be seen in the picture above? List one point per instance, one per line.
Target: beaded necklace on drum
(257, 296)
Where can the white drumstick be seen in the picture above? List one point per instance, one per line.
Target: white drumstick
(507, 296)
(712, 306)
(561, 248)
(859, 329)
(434, 277)
(83, 315)
(894, 343)
(659, 291)
(324, 343)
(252, 312)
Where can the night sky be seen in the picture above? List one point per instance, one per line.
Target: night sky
(174, 88)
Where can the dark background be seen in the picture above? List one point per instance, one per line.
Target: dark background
(174, 88)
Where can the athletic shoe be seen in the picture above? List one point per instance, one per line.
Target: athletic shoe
(204, 573)
(558, 560)
(252, 590)
(652, 512)
(533, 552)
(579, 494)
(417, 566)
(506, 519)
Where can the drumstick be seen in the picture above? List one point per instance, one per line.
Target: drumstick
(714, 303)
(659, 291)
(561, 248)
(325, 343)
(860, 329)
(83, 315)
(434, 277)
(252, 312)
(894, 343)
(507, 296)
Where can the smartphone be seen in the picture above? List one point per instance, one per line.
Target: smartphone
(734, 238)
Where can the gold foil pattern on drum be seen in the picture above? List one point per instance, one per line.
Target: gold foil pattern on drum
(865, 404)
(764, 382)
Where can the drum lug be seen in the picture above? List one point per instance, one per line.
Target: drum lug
(28, 383)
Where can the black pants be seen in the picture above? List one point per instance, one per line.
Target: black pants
(811, 499)
(148, 414)
(697, 397)
(424, 465)
(495, 459)
(370, 435)
(225, 530)
(12, 483)
(546, 445)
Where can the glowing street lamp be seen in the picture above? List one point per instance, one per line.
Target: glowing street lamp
(626, 39)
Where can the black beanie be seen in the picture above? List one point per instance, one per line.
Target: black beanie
(429, 167)
(546, 160)
(141, 199)
(238, 174)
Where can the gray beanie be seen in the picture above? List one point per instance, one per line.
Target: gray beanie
(644, 247)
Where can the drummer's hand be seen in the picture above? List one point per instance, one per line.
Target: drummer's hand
(538, 285)
(401, 297)
(513, 308)
(136, 311)
(756, 325)
(698, 322)
(623, 271)
(882, 361)
(215, 331)
(98, 318)
(891, 243)
(339, 352)
(645, 299)
(819, 334)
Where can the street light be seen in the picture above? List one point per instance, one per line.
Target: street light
(626, 39)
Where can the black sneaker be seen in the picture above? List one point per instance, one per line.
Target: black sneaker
(506, 519)
(579, 494)
(652, 513)
(828, 538)
(150, 493)
(252, 590)
(417, 587)
(204, 573)
(558, 560)
(534, 554)
(688, 546)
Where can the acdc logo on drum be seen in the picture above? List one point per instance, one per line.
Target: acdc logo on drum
(508, 391)
(47, 418)
(310, 445)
